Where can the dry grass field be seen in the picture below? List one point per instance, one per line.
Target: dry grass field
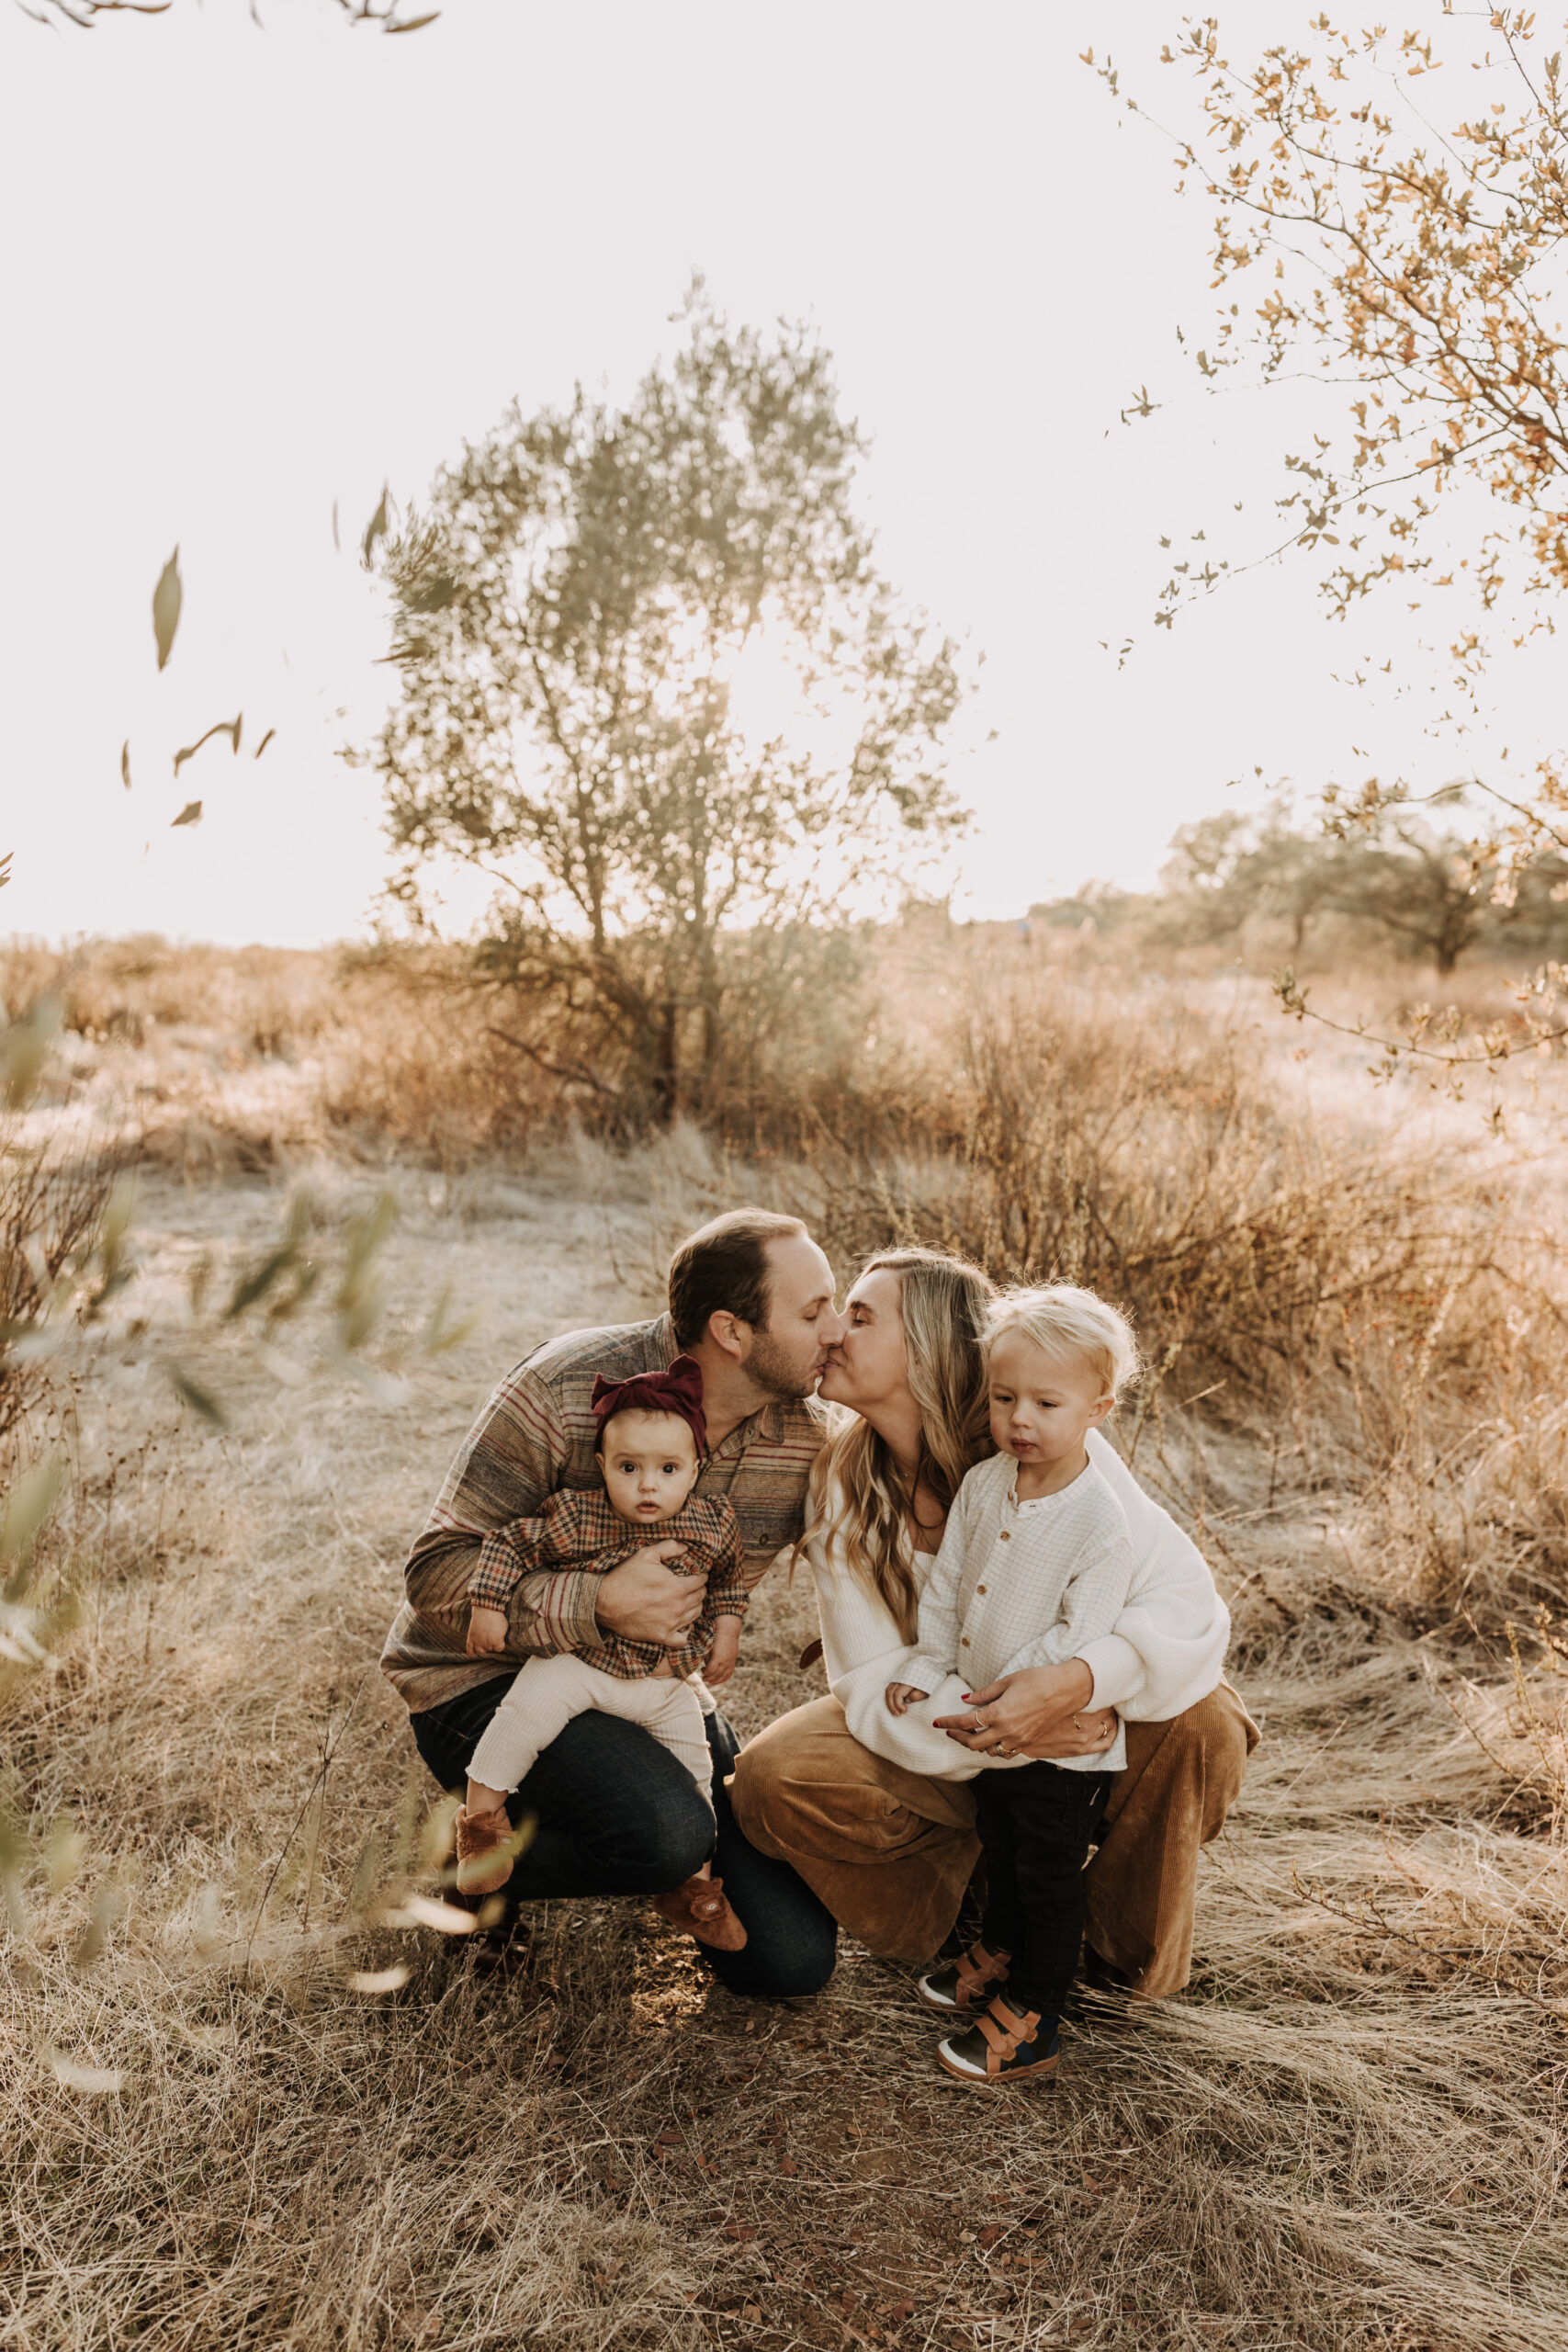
(1346, 2134)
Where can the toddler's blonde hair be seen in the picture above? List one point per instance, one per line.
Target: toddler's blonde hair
(1063, 1320)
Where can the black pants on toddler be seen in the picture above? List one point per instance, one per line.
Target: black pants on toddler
(1036, 1824)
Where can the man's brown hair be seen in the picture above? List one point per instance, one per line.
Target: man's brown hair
(723, 1268)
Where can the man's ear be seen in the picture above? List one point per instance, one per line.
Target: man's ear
(730, 1335)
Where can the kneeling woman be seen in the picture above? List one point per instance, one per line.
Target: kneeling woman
(874, 1810)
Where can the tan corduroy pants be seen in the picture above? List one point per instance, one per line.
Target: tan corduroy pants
(890, 1852)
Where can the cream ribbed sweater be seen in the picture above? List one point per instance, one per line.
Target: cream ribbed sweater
(1165, 1652)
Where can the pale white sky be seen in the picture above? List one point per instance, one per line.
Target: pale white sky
(249, 272)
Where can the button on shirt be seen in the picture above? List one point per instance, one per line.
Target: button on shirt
(1021, 1584)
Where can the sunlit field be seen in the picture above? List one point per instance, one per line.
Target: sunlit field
(216, 2130)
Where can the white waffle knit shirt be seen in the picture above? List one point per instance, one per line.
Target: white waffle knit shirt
(1166, 1653)
(1021, 1584)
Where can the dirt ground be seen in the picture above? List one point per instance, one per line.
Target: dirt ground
(1342, 2135)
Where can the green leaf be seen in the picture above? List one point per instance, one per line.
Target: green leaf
(167, 597)
(199, 1399)
(27, 1506)
(24, 1049)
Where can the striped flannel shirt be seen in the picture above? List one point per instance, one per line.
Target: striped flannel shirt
(585, 1534)
(535, 1438)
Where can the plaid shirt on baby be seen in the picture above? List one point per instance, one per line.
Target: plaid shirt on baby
(535, 1438)
(580, 1534)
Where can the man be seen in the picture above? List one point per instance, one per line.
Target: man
(751, 1299)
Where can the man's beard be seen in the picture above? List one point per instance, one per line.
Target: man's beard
(770, 1370)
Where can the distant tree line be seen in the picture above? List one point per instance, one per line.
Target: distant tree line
(1402, 884)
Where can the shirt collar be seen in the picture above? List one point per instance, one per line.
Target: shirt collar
(767, 1423)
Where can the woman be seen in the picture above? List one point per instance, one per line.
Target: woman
(873, 1810)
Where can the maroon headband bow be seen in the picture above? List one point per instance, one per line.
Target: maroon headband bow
(677, 1390)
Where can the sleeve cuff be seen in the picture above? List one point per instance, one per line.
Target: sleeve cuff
(924, 1674)
(496, 1573)
(1117, 1670)
(560, 1612)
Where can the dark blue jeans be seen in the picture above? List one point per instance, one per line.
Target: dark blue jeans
(617, 1814)
(1036, 1826)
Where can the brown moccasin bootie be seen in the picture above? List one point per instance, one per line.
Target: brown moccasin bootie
(485, 1850)
(702, 1908)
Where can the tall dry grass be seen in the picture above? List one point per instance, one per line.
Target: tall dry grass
(1347, 2135)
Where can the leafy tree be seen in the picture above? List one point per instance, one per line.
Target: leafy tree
(576, 611)
(1397, 876)
(1226, 868)
(1409, 237)
(1420, 888)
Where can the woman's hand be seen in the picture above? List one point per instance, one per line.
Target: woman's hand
(647, 1602)
(902, 1695)
(1043, 1712)
(487, 1632)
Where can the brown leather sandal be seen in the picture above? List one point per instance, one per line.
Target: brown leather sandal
(487, 1846)
(963, 1982)
(1002, 2046)
(702, 1907)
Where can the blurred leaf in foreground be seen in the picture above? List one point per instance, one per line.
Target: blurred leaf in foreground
(87, 2079)
(115, 1265)
(24, 1048)
(230, 727)
(376, 530)
(108, 1909)
(189, 815)
(167, 597)
(359, 1293)
(263, 744)
(287, 1257)
(379, 1980)
(423, 1911)
(27, 1506)
(125, 763)
(64, 1852)
(199, 1399)
(445, 1331)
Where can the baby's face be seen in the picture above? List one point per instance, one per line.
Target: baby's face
(650, 1464)
(1041, 1406)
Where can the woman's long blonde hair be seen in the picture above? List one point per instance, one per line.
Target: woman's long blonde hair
(856, 1485)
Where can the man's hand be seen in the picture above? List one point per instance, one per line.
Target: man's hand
(901, 1695)
(1043, 1712)
(724, 1652)
(487, 1632)
(644, 1601)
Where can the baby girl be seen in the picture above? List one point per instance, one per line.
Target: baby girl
(650, 1445)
